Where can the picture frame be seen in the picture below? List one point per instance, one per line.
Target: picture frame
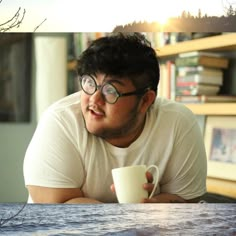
(15, 77)
(220, 143)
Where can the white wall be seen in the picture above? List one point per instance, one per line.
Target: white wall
(51, 73)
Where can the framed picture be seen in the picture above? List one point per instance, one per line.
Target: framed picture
(220, 142)
(15, 76)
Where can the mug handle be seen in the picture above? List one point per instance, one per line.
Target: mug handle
(155, 180)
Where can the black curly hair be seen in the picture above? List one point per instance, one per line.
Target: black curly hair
(123, 55)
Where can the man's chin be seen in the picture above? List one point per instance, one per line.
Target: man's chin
(95, 131)
(103, 133)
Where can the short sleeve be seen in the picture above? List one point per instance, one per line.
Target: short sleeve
(186, 170)
(52, 158)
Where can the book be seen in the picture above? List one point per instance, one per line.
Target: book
(198, 78)
(206, 99)
(202, 60)
(166, 87)
(171, 68)
(198, 89)
(200, 70)
(162, 89)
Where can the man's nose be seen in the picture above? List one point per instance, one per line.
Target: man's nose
(97, 97)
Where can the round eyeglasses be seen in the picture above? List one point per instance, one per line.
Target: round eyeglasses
(109, 92)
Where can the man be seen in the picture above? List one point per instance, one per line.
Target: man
(115, 120)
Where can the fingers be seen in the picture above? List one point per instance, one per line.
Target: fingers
(149, 177)
(112, 187)
(149, 187)
(150, 200)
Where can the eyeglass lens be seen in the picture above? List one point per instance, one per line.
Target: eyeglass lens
(90, 86)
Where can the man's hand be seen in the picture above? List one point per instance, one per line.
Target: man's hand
(163, 197)
(160, 198)
(113, 188)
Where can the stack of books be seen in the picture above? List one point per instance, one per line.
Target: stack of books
(199, 73)
(206, 99)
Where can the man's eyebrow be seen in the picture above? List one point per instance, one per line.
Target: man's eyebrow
(113, 80)
(117, 81)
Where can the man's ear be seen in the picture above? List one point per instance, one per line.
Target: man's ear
(147, 100)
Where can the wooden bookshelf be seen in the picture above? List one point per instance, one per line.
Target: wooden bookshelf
(224, 42)
(71, 65)
(220, 43)
(221, 186)
(226, 109)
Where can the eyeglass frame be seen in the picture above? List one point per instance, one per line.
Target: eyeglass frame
(140, 91)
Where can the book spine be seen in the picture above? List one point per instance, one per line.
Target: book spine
(167, 87)
(186, 61)
(212, 62)
(198, 90)
(205, 99)
(213, 80)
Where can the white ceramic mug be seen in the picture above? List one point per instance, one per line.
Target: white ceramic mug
(129, 182)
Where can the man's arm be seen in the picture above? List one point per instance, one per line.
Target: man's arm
(57, 195)
(164, 197)
(169, 198)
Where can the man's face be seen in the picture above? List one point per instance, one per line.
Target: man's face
(106, 120)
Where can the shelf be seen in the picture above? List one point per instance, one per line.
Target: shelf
(225, 109)
(223, 42)
(220, 186)
(71, 65)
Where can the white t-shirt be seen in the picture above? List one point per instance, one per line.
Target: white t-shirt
(62, 154)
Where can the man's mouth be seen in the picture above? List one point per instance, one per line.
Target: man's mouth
(95, 111)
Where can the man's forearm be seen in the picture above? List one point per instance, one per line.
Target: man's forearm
(82, 200)
(41, 194)
(169, 198)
